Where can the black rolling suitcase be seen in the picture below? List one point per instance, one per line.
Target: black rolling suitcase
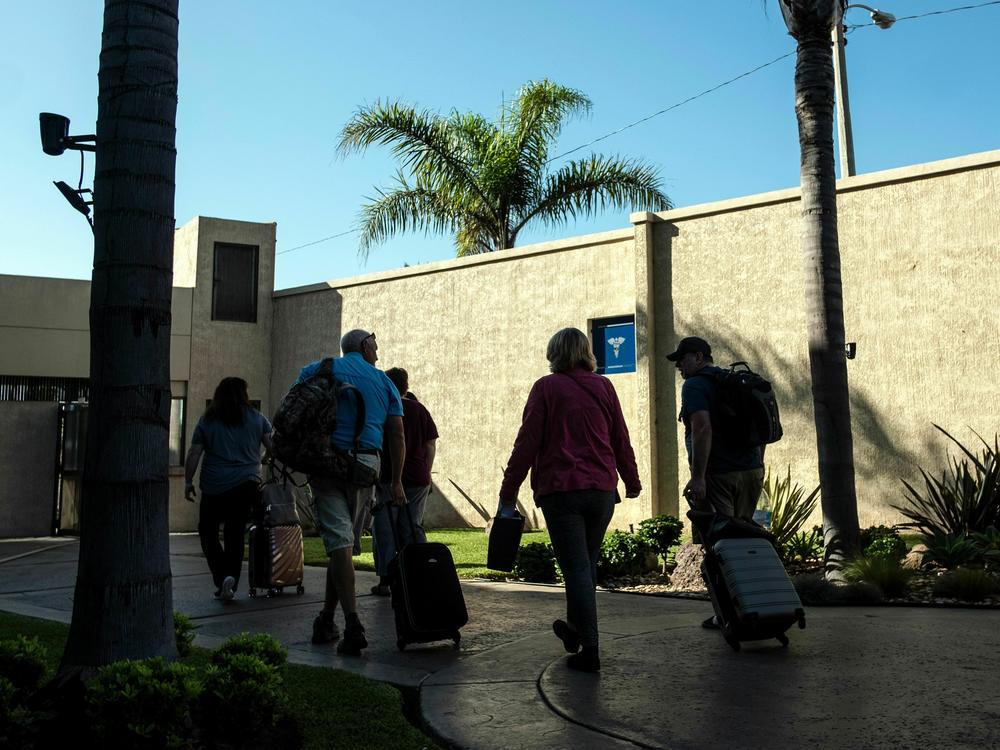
(752, 595)
(427, 598)
(275, 540)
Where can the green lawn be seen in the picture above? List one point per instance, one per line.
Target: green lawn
(468, 548)
(332, 707)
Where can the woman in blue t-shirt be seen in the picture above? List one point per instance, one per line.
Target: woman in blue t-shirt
(229, 435)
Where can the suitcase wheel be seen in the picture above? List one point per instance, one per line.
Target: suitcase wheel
(401, 644)
(802, 620)
(300, 589)
(273, 592)
(253, 593)
(782, 639)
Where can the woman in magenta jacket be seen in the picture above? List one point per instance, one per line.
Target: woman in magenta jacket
(574, 440)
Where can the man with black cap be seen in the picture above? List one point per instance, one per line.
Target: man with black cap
(725, 478)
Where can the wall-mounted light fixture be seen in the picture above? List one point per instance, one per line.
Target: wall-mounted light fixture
(56, 138)
(54, 131)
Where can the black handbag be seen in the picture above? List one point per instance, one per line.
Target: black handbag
(505, 540)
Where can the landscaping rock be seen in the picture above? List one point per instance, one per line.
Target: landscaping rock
(914, 559)
(687, 574)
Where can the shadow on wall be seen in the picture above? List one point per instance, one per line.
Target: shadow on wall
(792, 378)
(442, 509)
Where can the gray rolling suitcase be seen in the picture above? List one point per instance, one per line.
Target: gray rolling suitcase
(753, 596)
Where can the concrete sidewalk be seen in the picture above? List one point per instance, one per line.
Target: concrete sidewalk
(854, 678)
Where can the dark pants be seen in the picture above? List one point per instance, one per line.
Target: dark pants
(230, 509)
(576, 522)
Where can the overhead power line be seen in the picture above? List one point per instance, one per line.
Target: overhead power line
(316, 242)
(930, 13)
(672, 106)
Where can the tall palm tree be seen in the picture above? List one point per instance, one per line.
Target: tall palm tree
(811, 22)
(122, 606)
(485, 181)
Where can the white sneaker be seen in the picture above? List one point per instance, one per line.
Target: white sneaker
(227, 589)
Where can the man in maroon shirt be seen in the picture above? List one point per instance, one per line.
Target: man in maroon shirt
(388, 520)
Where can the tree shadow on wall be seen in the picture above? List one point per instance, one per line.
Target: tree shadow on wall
(869, 421)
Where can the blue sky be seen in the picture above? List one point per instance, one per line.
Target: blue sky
(265, 88)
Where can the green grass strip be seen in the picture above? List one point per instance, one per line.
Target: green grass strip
(468, 549)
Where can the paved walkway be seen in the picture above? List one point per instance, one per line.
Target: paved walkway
(854, 678)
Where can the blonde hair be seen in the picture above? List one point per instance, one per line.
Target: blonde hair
(570, 348)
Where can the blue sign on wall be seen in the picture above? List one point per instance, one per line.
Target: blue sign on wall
(614, 345)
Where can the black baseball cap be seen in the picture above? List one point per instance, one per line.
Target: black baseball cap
(690, 345)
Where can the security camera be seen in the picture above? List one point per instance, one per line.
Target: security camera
(54, 131)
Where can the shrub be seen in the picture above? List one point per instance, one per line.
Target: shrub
(967, 584)
(813, 588)
(964, 500)
(882, 541)
(805, 546)
(622, 554)
(184, 634)
(242, 699)
(261, 645)
(660, 533)
(9, 702)
(988, 544)
(879, 570)
(951, 551)
(22, 662)
(142, 704)
(536, 562)
(790, 506)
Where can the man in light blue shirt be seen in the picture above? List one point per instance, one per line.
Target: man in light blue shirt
(340, 505)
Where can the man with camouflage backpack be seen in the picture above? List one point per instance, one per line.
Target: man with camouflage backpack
(339, 504)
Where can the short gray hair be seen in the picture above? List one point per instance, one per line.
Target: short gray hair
(352, 340)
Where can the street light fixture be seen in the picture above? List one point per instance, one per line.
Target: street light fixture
(845, 137)
(54, 131)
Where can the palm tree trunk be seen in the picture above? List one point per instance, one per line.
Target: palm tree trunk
(814, 102)
(122, 607)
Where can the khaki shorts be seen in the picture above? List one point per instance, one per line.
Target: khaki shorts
(733, 493)
(339, 508)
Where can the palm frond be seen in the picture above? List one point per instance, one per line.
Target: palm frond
(423, 142)
(396, 211)
(538, 114)
(584, 187)
(473, 239)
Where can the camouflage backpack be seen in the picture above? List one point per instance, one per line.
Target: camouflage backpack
(305, 421)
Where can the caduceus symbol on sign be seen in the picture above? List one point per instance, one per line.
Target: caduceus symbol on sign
(616, 342)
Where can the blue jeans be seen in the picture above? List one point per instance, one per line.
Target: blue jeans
(576, 522)
(389, 520)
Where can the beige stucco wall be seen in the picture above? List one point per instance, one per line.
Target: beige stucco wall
(919, 250)
(45, 328)
(472, 334)
(221, 349)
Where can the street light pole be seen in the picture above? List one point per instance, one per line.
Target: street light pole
(845, 137)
